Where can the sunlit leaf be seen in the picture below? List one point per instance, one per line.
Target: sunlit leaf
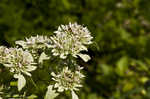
(32, 96)
(122, 66)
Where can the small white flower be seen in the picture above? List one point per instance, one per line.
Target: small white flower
(70, 39)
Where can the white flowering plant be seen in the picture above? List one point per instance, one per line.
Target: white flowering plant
(63, 48)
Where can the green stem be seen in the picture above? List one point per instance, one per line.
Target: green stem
(34, 83)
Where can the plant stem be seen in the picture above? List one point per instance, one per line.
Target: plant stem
(34, 83)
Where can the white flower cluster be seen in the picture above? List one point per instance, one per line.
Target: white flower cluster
(18, 61)
(67, 80)
(71, 39)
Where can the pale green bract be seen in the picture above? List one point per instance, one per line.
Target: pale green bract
(21, 81)
(42, 57)
(74, 96)
(85, 57)
(50, 94)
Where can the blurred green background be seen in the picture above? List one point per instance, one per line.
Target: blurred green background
(120, 64)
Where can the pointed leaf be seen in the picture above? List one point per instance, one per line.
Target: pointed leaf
(122, 65)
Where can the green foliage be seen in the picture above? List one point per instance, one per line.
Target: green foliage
(120, 63)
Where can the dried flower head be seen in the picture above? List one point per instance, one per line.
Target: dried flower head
(67, 80)
(70, 39)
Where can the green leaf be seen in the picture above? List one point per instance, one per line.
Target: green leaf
(141, 65)
(1, 88)
(128, 86)
(50, 94)
(106, 69)
(122, 66)
(16, 96)
(13, 83)
(32, 97)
